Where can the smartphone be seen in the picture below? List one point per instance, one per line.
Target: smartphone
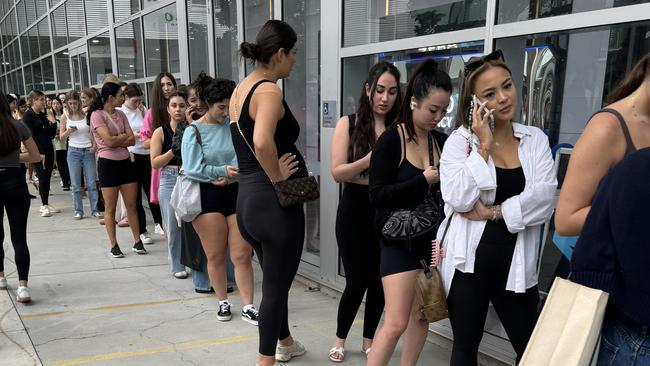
(471, 108)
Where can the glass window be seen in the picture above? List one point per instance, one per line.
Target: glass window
(559, 94)
(24, 47)
(161, 41)
(225, 39)
(99, 50)
(41, 7)
(37, 76)
(22, 18)
(122, 9)
(30, 11)
(256, 13)
(18, 85)
(15, 59)
(197, 29)
(369, 21)
(518, 10)
(130, 64)
(33, 43)
(450, 57)
(149, 3)
(59, 27)
(44, 36)
(74, 9)
(48, 74)
(63, 76)
(96, 15)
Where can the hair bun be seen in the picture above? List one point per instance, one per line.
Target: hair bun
(249, 50)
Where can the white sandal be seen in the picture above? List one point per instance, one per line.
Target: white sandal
(337, 354)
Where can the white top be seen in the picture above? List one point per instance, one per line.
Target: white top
(136, 120)
(81, 137)
(464, 179)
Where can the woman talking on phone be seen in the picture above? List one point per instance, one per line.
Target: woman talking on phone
(498, 186)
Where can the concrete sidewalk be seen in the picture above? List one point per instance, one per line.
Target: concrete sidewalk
(90, 309)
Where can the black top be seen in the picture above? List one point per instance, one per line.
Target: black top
(394, 184)
(167, 144)
(510, 182)
(287, 132)
(12, 160)
(630, 148)
(613, 250)
(42, 131)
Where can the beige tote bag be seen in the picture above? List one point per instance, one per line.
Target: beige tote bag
(568, 328)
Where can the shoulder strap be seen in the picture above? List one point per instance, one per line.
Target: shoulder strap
(402, 141)
(444, 233)
(626, 132)
(198, 134)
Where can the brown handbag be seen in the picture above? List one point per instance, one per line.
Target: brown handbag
(429, 290)
(291, 192)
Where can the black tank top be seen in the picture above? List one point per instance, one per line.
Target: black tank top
(510, 182)
(629, 148)
(167, 144)
(287, 132)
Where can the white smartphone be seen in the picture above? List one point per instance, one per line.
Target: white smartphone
(480, 104)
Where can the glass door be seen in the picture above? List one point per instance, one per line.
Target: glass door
(79, 60)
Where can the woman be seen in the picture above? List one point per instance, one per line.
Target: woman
(134, 111)
(21, 108)
(14, 196)
(196, 107)
(610, 135)
(88, 97)
(498, 186)
(352, 144)
(81, 156)
(163, 86)
(60, 145)
(402, 175)
(42, 124)
(214, 164)
(275, 232)
(113, 135)
(163, 158)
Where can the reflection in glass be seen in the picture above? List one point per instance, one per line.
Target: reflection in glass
(24, 45)
(33, 43)
(130, 64)
(63, 76)
(59, 27)
(44, 36)
(302, 93)
(22, 19)
(48, 74)
(99, 49)
(225, 39)
(96, 15)
(37, 74)
(256, 13)
(122, 9)
(197, 29)
(74, 10)
(519, 10)
(30, 11)
(369, 21)
(161, 41)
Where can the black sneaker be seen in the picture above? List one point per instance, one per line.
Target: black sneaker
(251, 315)
(201, 291)
(139, 248)
(116, 252)
(224, 312)
(230, 289)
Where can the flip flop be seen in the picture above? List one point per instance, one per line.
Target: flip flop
(337, 354)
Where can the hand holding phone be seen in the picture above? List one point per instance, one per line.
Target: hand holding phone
(480, 120)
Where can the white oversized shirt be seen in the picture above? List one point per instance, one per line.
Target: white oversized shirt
(466, 178)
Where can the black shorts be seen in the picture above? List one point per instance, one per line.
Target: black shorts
(219, 199)
(114, 173)
(396, 258)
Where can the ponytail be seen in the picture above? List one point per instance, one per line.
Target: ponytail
(9, 137)
(632, 81)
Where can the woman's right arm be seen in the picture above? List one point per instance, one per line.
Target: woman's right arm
(593, 156)
(64, 133)
(159, 160)
(342, 171)
(32, 155)
(462, 177)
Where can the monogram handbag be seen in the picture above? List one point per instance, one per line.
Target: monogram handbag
(403, 225)
(429, 290)
(291, 192)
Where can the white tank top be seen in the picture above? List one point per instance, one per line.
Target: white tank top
(81, 137)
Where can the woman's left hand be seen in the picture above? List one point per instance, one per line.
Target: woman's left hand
(221, 181)
(478, 213)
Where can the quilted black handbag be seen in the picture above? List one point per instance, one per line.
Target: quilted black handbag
(404, 225)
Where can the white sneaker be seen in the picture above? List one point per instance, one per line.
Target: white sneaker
(159, 230)
(180, 275)
(22, 294)
(3, 283)
(284, 354)
(146, 238)
(53, 209)
(78, 216)
(45, 211)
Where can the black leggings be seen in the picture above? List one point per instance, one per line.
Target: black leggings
(469, 298)
(359, 249)
(14, 198)
(276, 234)
(62, 166)
(43, 171)
(142, 168)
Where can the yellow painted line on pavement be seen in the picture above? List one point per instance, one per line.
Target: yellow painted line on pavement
(42, 315)
(152, 351)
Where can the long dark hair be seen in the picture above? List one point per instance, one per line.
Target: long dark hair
(426, 77)
(9, 137)
(274, 35)
(159, 102)
(109, 89)
(632, 81)
(363, 137)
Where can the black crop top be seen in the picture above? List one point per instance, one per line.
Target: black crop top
(287, 132)
(167, 144)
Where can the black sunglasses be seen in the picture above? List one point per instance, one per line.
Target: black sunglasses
(476, 62)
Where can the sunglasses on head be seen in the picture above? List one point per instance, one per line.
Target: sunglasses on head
(476, 62)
